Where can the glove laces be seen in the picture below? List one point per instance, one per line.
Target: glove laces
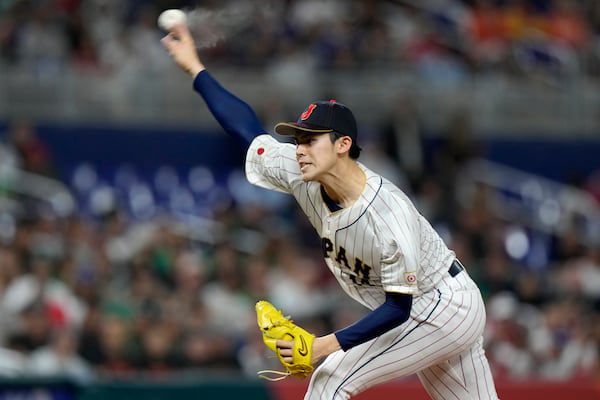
(267, 374)
(273, 375)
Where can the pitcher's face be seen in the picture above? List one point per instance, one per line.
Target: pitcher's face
(316, 155)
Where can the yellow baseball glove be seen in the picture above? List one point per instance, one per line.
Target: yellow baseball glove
(275, 326)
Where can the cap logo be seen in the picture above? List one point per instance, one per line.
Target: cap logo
(304, 116)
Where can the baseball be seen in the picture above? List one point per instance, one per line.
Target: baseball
(169, 18)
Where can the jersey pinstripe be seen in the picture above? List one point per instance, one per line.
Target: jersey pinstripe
(381, 243)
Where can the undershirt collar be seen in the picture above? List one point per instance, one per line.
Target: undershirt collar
(332, 205)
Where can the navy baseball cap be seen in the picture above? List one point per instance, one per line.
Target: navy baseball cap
(321, 117)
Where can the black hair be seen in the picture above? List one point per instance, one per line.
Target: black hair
(355, 149)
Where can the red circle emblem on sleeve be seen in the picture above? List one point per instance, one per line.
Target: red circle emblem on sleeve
(260, 151)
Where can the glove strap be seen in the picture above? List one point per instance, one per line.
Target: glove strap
(264, 374)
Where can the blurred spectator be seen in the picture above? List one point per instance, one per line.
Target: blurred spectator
(254, 356)
(190, 277)
(497, 274)
(257, 273)
(82, 45)
(33, 329)
(592, 185)
(581, 276)
(567, 24)
(225, 297)
(458, 145)
(159, 353)
(561, 341)
(507, 338)
(41, 296)
(42, 45)
(489, 42)
(210, 349)
(532, 287)
(12, 363)
(402, 139)
(9, 158)
(33, 152)
(9, 267)
(296, 287)
(59, 359)
(116, 352)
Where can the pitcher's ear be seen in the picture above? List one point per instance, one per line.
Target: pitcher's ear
(344, 143)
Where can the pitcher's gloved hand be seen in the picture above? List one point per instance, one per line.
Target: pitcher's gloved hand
(275, 326)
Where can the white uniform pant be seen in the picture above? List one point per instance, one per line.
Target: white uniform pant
(441, 342)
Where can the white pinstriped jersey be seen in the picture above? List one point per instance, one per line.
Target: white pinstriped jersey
(381, 243)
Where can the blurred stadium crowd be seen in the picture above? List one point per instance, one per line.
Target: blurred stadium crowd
(443, 38)
(112, 295)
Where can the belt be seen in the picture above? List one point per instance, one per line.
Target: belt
(455, 268)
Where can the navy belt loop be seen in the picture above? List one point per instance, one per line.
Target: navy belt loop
(455, 268)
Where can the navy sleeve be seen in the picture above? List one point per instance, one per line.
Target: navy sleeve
(389, 315)
(236, 117)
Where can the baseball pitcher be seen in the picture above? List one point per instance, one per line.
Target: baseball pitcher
(427, 315)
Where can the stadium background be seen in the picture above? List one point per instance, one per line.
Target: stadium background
(132, 248)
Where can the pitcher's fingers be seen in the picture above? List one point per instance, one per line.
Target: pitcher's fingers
(168, 40)
(286, 352)
(181, 32)
(284, 344)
